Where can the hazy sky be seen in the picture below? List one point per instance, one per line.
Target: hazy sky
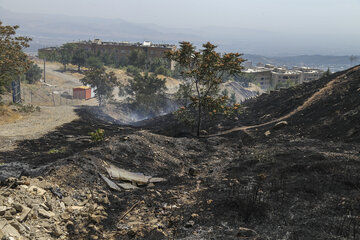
(275, 15)
(264, 26)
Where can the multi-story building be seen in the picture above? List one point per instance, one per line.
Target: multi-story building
(268, 76)
(123, 49)
(260, 76)
(309, 74)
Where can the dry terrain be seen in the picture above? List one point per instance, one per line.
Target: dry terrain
(291, 173)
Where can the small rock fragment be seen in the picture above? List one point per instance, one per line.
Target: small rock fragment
(193, 172)
(24, 213)
(37, 190)
(189, 224)
(46, 214)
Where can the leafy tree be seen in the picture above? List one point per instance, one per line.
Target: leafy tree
(137, 58)
(147, 94)
(326, 73)
(52, 55)
(66, 54)
(79, 58)
(162, 70)
(160, 66)
(205, 68)
(33, 74)
(102, 82)
(13, 61)
(133, 71)
(94, 62)
(232, 100)
(184, 93)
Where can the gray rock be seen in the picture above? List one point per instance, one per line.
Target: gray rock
(24, 213)
(18, 207)
(68, 201)
(45, 214)
(56, 231)
(10, 231)
(3, 209)
(18, 226)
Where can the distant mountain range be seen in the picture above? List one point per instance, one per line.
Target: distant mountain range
(334, 63)
(52, 30)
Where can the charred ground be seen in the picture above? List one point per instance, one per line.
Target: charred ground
(299, 181)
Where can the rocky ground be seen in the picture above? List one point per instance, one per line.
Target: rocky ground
(276, 181)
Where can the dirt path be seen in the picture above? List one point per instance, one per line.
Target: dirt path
(62, 79)
(308, 102)
(36, 124)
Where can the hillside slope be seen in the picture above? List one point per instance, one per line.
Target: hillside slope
(327, 108)
(295, 183)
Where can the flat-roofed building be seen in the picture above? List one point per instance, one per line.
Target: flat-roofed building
(122, 49)
(269, 76)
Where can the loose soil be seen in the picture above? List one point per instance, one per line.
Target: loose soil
(298, 181)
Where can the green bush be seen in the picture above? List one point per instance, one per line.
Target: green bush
(33, 74)
(98, 135)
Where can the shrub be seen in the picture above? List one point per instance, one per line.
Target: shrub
(28, 108)
(98, 135)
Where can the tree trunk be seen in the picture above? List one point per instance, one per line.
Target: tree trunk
(64, 67)
(199, 120)
(79, 68)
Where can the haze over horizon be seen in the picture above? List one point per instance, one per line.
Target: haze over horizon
(278, 27)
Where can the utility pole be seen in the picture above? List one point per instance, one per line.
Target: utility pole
(44, 69)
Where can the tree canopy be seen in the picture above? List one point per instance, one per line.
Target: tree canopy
(33, 74)
(147, 94)
(102, 82)
(13, 61)
(205, 68)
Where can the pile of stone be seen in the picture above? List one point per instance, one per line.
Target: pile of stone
(32, 208)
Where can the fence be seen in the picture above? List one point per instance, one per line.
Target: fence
(47, 98)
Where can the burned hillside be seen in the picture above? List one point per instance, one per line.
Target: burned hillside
(326, 108)
(250, 178)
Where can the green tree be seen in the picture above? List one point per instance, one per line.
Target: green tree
(133, 71)
(205, 68)
(79, 58)
(137, 58)
(232, 100)
(51, 55)
(103, 83)
(147, 94)
(160, 66)
(33, 74)
(162, 70)
(66, 54)
(13, 61)
(326, 73)
(183, 94)
(94, 62)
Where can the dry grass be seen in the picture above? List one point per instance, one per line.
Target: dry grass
(7, 115)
